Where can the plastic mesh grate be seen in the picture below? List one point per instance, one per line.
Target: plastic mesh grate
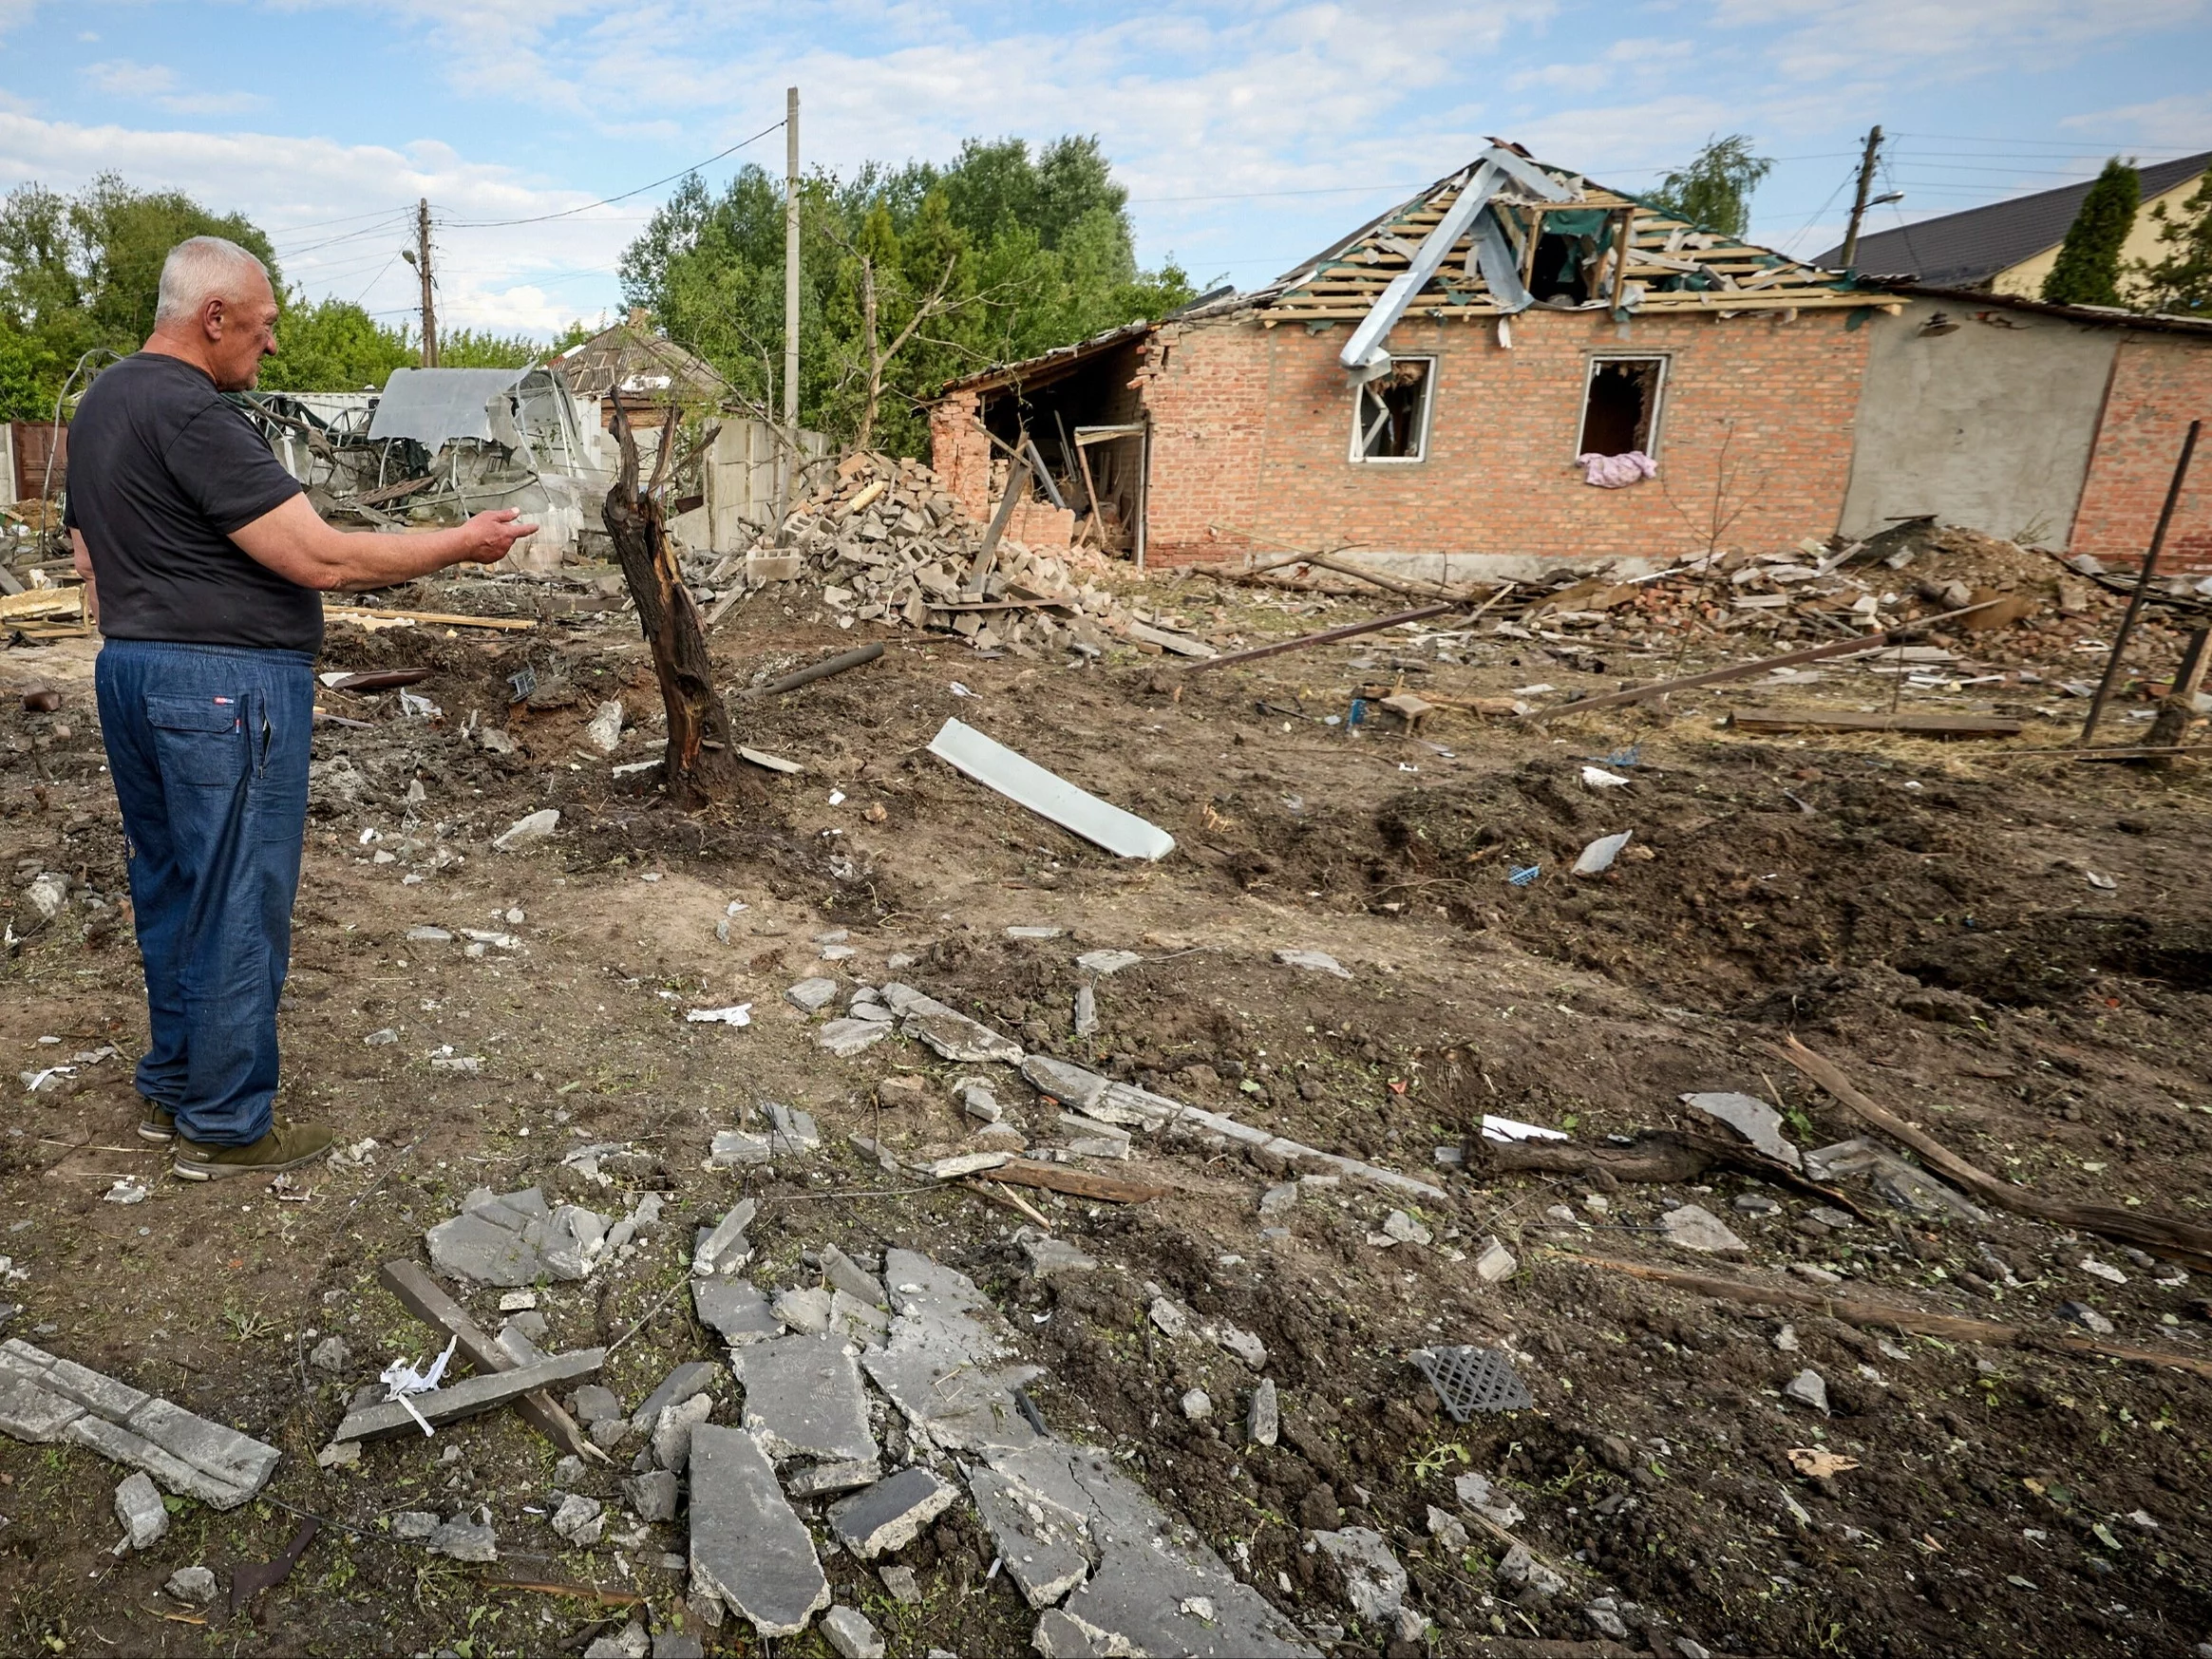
(1468, 1380)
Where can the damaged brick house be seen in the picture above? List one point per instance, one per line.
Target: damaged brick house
(1520, 365)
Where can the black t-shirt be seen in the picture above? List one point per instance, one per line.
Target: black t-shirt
(162, 470)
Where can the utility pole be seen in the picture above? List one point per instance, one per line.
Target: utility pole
(420, 261)
(1859, 203)
(790, 468)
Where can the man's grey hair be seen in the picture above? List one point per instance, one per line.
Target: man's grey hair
(200, 270)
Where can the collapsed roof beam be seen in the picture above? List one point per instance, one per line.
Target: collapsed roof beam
(1492, 170)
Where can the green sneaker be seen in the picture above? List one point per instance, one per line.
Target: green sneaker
(160, 1123)
(287, 1146)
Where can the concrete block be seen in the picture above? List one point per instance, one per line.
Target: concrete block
(890, 1515)
(653, 1495)
(681, 1384)
(848, 1631)
(139, 1507)
(672, 1435)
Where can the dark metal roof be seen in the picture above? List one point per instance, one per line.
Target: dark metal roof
(1964, 250)
(2093, 316)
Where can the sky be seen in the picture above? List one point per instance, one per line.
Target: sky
(1248, 135)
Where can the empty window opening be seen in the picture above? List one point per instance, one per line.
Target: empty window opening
(1392, 413)
(1556, 272)
(1620, 406)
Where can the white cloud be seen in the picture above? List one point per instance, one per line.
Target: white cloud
(1920, 39)
(157, 84)
(2181, 123)
(339, 214)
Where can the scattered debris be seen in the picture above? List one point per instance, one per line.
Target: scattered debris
(44, 1398)
(1468, 1380)
(1029, 784)
(1694, 1227)
(1752, 1118)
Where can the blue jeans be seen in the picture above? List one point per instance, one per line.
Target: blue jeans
(209, 746)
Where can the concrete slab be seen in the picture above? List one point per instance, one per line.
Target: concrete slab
(804, 1399)
(890, 1515)
(749, 1548)
(847, 1037)
(1043, 1545)
(1153, 1573)
(956, 1036)
(735, 1311)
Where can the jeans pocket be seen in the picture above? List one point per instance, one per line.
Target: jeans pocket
(200, 742)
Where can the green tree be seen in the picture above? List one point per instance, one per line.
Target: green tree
(2182, 279)
(1001, 254)
(27, 368)
(1714, 190)
(332, 345)
(2087, 269)
(83, 272)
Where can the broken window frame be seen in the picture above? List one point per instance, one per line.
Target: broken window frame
(1653, 416)
(1361, 426)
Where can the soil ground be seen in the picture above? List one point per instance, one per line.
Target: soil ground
(1923, 915)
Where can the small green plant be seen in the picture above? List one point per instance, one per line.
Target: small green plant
(1437, 1460)
(246, 1325)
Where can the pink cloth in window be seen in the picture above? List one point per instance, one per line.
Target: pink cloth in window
(1617, 472)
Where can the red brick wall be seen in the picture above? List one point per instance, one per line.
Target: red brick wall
(1252, 426)
(2160, 383)
(960, 452)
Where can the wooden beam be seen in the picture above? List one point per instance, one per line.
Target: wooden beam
(468, 1397)
(1833, 720)
(426, 1298)
(1865, 1310)
(1058, 1178)
(1834, 648)
(436, 618)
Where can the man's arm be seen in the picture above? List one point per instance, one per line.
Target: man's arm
(81, 557)
(295, 543)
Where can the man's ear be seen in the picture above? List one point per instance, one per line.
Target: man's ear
(211, 317)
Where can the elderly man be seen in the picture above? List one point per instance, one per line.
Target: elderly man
(206, 561)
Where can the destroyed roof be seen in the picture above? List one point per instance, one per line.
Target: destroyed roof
(434, 404)
(649, 366)
(1674, 265)
(1050, 365)
(1964, 250)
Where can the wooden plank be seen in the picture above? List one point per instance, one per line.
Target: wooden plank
(1834, 720)
(1834, 648)
(426, 1298)
(1056, 1177)
(1865, 1310)
(437, 618)
(468, 1397)
(36, 602)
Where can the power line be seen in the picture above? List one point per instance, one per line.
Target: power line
(609, 201)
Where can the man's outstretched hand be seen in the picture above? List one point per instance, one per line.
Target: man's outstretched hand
(488, 537)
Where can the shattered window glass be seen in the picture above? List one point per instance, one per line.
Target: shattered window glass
(1392, 411)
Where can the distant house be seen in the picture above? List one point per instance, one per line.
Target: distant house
(1518, 366)
(2008, 247)
(645, 371)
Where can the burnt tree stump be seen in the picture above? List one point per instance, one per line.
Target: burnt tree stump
(701, 767)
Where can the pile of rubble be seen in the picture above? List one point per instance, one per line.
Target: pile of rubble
(1837, 588)
(888, 543)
